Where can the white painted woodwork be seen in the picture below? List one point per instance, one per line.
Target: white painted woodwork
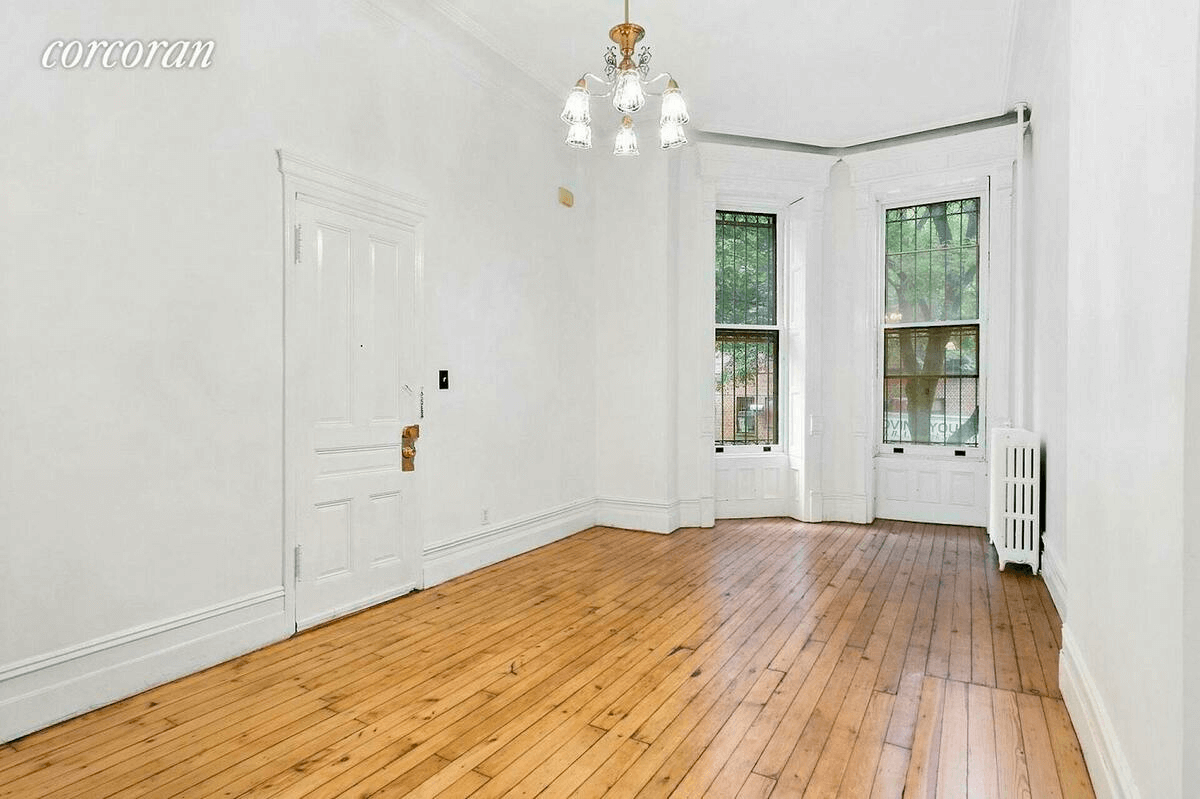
(748, 482)
(752, 485)
(930, 483)
(943, 489)
(353, 307)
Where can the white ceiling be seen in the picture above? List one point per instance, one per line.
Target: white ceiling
(833, 73)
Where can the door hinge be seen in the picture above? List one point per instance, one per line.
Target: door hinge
(296, 563)
(296, 245)
(422, 408)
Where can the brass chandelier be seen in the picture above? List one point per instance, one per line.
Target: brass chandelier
(627, 81)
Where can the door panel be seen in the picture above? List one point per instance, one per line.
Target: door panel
(387, 302)
(353, 300)
(334, 319)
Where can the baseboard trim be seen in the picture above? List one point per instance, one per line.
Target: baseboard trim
(448, 559)
(1106, 763)
(692, 512)
(753, 508)
(934, 514)
(845, 508)
(1056, 582)
(638, 514)
(46, 689)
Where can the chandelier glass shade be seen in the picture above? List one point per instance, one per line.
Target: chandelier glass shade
(578, 109)
(629, 96)
(673, 107)
(579, 135)
(671, 135)
(626, 139)
(627, 80)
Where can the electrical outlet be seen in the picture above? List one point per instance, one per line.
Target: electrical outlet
(483, 517)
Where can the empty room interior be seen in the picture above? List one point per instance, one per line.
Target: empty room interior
(448, 398)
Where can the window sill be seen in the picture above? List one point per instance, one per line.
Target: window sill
(751, 452)
(974, 454)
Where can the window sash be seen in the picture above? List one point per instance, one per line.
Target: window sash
(931, 261)
(747, 268)
(931, 402)
(746, 387)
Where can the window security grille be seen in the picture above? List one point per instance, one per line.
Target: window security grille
(747, 384)
(745, 268)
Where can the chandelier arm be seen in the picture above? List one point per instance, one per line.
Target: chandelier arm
(658, 77)
(601, 81)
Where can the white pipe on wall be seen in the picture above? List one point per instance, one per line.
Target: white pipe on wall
(1019, 356)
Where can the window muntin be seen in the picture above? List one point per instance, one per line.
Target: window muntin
(746, 367)
(931, 322)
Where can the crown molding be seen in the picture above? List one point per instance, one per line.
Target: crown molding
(955, 157)
(785, 176)
(472, 27)
(462, 40)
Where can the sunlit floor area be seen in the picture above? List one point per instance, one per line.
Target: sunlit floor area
(760, 658)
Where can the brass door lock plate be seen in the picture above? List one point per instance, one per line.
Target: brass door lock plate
(408, 447)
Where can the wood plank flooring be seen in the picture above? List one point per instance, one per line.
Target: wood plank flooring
(762, 658)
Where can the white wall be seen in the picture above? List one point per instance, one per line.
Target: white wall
(694, 237)
(634, 306)
(141, 330)
(1130, 148)
(1191, 510)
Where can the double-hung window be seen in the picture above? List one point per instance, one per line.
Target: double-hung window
(931, 324)
(746, 370)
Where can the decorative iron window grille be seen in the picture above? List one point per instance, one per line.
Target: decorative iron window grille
(746, 368)
(746, 279)
(747, 384)
(931, 322)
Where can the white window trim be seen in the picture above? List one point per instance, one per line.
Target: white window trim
(981, 188)
(752, 205)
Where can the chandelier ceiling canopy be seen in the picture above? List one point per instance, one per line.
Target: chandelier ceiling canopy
(628, 82)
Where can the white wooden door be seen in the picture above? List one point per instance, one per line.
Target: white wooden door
(353, 332)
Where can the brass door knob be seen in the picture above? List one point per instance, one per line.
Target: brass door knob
(408, 452)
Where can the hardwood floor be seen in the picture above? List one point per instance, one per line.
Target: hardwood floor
(760, 658)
